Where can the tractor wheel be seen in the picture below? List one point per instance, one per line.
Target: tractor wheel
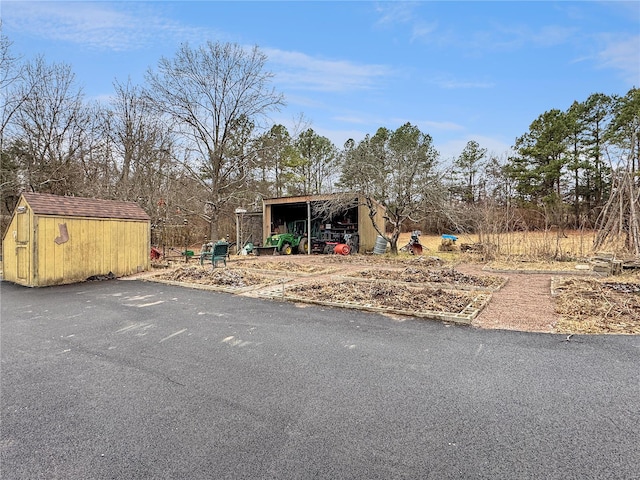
(286, 249)
(303, 246)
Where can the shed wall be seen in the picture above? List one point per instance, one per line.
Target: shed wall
(94, 247)
(266, 222)
(368, 234)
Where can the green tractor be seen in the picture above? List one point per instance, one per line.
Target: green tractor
(288, 243)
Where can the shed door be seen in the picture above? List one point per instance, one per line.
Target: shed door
(22, 262)
(22, 245)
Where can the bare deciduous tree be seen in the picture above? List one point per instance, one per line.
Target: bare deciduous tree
(51, 125)
(10, 76)
(210, 95)
(11, 71)
(140, 147)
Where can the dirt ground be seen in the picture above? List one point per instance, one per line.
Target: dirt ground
(525, 302)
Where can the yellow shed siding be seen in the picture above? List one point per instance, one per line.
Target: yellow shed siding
(9, 254)
(110, 257)
(16, 243)
(37, 251)
(368, 234)
(49, 260)
(266, 221)
(94, 247)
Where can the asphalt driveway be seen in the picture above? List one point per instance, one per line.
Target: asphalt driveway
(136, 380)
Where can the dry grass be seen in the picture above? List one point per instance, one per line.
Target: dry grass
(528, 265)
(598, 306)
(539, 245)
(545, 245)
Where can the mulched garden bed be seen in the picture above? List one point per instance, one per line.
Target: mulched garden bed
(398, 298)
(593, 306)
(284, 266)
(448, 276)
(223, 277)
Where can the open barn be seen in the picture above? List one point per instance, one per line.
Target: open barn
(328, 217)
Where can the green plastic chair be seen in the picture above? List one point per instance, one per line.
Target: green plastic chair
(220, 252)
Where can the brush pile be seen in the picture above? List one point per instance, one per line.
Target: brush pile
(592, 306)
(450, 276)
(384, 295)
(218, 276)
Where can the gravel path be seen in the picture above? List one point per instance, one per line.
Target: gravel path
(523, 304)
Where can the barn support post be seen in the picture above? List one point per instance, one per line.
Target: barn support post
(239, 233)
(238, 239)
(308, 227)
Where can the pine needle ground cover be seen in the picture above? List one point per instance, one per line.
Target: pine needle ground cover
(597, 306)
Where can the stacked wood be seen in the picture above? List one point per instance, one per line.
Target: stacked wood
(606, 263)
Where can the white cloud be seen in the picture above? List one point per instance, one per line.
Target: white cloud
(452, 148)
(622, 55)
(354, 119)
(513, 37)
(303, 72)
(423, 30)
(339, 137)
(392, 13)
(451, 83)
(96, 25)
(441, 126)
(552, 35)
(491, 38)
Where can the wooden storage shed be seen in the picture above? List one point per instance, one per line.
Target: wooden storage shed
(279, 213)
(55, 240)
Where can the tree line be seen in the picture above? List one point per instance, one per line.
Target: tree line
(195, 141)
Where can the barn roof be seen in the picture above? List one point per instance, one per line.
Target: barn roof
(47, 204)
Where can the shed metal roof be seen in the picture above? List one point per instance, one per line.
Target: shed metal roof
(316, 198)
(47, 204)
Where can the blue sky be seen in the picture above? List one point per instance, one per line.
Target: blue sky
(459, 71)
